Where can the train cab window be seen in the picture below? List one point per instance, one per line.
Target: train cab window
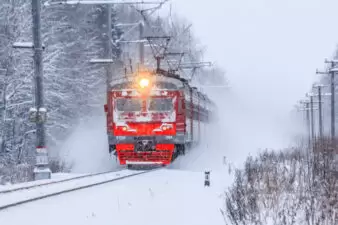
(160, 104)
(128, 105)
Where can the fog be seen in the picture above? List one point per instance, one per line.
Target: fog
(86, 149)
(270, 51)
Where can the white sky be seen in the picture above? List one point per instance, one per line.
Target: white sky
(269, 48)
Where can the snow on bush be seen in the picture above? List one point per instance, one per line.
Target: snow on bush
(285, 188)
(15, 174)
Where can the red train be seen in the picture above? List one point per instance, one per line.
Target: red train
(151, 119)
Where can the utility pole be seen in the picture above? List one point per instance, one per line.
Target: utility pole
(332, 71)
(320, 94)
(333, 116)
(307, 118)
(41, 170)
(320, 119)
(109, 53)
(312, 120)
(38, 114)
(310, 123)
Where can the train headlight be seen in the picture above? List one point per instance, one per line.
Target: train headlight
(144, 82)
(166, 127)
(124, 128)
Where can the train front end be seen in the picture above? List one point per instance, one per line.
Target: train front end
(143, 123)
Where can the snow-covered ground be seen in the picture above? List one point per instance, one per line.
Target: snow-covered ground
(162, 197)
(26, 194)
(54, 178)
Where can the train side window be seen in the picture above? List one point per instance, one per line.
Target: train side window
(181, 107)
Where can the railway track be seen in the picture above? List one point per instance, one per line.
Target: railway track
(19, 196)
(52, 182)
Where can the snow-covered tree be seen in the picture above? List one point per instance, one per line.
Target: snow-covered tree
(15, 81)
(72, 39)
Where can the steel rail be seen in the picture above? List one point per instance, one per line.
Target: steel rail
(54, 182)
(74, 189)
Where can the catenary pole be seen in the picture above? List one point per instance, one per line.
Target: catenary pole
(307, 119)
(320, 112)
(332, 71)
(41, 170)
(333, 127)
(109, 49)
(308, 122)
(312, 120)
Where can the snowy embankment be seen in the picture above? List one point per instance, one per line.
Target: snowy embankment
(162, 197)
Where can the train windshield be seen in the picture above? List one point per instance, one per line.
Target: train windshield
(128, 105)
(160, 104)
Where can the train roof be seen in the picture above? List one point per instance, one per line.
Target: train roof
(172, 82)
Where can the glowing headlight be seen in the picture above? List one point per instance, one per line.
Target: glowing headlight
(166, 127)
(144, 83)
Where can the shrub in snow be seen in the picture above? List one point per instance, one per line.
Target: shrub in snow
(15, 174)
(289, 187)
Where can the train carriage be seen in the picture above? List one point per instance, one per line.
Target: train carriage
(151, 119)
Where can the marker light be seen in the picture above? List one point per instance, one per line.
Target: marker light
(144, 82)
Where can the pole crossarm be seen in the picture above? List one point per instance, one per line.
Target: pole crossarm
(332, 61)
(100, 2)
(174, 54)
(333, 70)
(101, 61)
(304, 101)
(195, 65)
(322, 94)
(133, 41)
(319, 85)
(321, 72)
(306, 109)
(126, 24)
(212, 86)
